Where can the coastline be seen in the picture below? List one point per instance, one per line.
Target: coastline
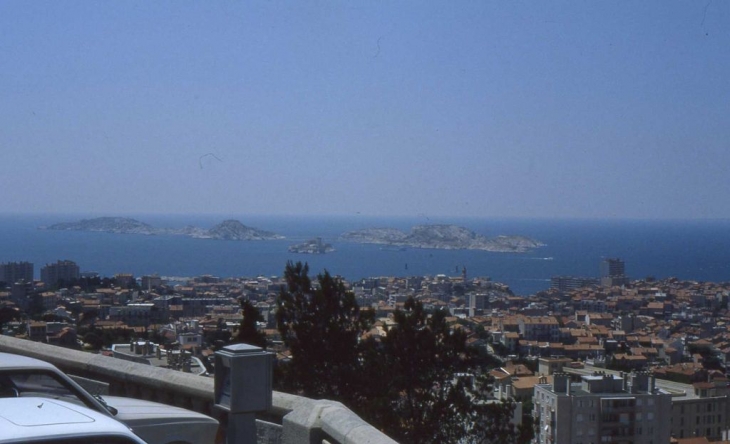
(649, 248)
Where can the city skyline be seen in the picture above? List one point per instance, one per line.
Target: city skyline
(488, 110)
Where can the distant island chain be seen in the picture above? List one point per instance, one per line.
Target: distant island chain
(436, 236)
(226, 230)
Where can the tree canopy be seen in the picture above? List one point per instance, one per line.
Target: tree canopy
(248, 332)
(419, 382)
(321, 325)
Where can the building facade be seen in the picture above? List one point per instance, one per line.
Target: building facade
(705, 413)
(539, 328)
(478, 301)
(12, 272)
(567, 283)
(601, 409)
(612, 267)
(61, 270)
(613, 272)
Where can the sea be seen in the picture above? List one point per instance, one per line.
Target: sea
(687, 249)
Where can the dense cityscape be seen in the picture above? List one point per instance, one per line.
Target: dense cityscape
(470, 222)
(564, 358)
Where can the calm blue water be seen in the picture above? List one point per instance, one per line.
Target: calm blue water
(698, 250)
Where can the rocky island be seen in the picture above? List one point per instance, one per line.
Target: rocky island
(227, 230)
(312, 246)
(445, 237)
(234, 230)
(118, 225)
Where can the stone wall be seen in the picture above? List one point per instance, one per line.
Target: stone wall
(290, 420)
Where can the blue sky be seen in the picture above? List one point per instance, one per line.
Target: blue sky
(484, 109)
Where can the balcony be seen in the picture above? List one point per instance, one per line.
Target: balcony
(291, 419)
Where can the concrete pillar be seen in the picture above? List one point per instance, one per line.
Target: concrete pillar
(243, 386)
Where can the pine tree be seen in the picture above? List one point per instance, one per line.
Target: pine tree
(419, 383)
(321, 324)
(248, 333)
(429, 389)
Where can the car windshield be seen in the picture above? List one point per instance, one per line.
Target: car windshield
(40, 383)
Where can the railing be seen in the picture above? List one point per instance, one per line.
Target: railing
(290, 420)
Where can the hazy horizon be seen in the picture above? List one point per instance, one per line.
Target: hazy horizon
(519, 110)
(420, 218)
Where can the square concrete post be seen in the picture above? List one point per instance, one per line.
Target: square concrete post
(243, 386)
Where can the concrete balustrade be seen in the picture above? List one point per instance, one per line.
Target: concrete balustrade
(291, 419)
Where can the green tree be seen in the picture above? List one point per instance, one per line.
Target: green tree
(430, 390)
(247, 332)
(35, 307)
(321, 325)
(94, 340)
(219, 337)
(419, 383)
(8, 314)
(527, 429)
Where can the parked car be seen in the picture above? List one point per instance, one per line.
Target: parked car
(156, 423)
(40, 420)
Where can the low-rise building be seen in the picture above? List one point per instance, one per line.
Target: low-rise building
(539, 328)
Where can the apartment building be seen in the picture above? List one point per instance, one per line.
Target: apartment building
(61, 270)
(542, 328)
(702, 412)
(601, 408)
(12, 272)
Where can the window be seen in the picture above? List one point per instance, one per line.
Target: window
(41, 383)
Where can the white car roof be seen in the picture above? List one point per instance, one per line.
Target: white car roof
(9, 360)
(27, 419)
(155, 422)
